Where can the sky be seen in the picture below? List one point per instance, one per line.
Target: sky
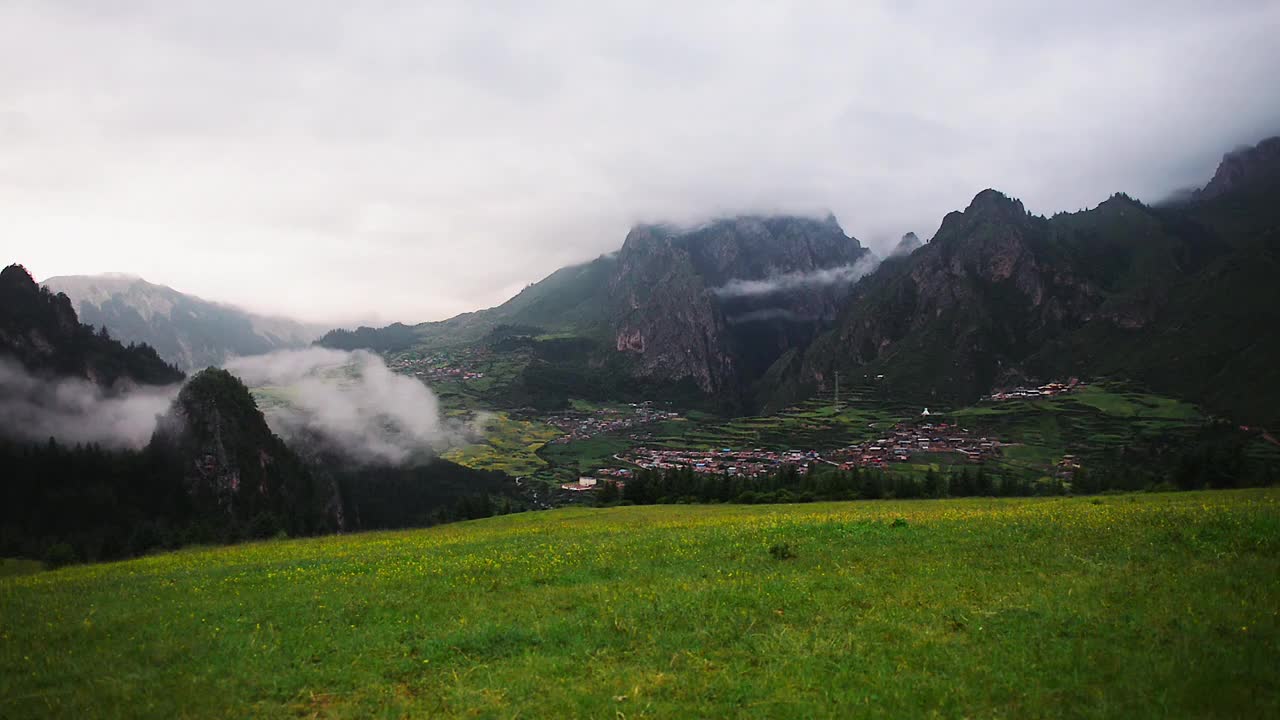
(380, 161)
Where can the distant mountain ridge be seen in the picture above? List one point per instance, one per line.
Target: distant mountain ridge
(187, 331)
(1180, 296)
(710, 307)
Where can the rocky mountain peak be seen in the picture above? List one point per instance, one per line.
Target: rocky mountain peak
(1243, 167)
(717, 303)
(907, 245)
(233, 462)
(991, 202)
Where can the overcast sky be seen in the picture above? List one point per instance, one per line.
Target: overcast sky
(411, 160)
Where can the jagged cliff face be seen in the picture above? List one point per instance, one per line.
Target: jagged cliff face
(1243, 168)
(719, 303)
(663, 314)
(907, 245)
(981, 292)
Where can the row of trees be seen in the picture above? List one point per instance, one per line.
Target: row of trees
(790, 485)
(1210, 461)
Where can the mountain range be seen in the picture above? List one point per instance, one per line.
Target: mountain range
(700, 311)
(758, 312)
(185, 330)
(81, 482)
(1181, 297)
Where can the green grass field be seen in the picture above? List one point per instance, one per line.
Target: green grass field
(1151, 605)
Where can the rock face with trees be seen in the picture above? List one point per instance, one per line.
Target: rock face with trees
(40, 330)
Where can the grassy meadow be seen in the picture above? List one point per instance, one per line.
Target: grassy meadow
(1144, 605)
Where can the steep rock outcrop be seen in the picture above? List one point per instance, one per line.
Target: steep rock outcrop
(1248, 166)
(719, 303)
(233, 464)
(907, 245)
(663, 314)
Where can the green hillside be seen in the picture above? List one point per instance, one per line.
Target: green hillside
(1150, 605)
(569, 299)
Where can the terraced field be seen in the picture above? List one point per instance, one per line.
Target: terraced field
(1092, 424)
(509, 445)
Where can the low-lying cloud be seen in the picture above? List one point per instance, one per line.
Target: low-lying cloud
(350, 400)
(74, 410)
(798, 280)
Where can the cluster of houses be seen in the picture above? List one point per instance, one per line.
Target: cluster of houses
(1046, 390)
(906, 440)
(1066, 467)
(898, 445)
(435, 367)
(725, 461)
(583, 425)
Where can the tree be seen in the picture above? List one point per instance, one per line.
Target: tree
(608, 494)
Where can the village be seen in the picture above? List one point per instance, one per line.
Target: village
(582, 425)
(906, 440)
(1046, 390)
(898, 445)
(434, 367)
(725, 461)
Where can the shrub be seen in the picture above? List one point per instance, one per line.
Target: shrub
(781, 551)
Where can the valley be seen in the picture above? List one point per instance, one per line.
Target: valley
(512, 361)
(1039, 435)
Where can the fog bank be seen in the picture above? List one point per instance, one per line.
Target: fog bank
(350, 400)
(797, 280)
(74, 410)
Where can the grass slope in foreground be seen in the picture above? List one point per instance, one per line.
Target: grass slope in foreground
(1160, 605)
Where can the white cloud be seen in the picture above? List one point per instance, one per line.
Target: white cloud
(350, 399)
(74, 410)
(783, 282)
